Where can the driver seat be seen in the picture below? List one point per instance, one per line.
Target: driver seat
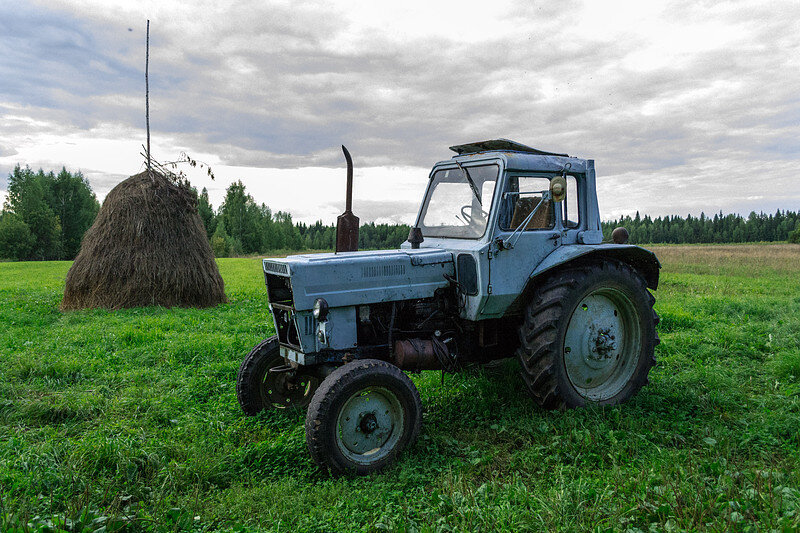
(543, 219)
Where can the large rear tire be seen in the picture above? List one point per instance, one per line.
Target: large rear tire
(588, 336)
(362, 417)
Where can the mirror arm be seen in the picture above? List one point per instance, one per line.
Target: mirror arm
(506, 243)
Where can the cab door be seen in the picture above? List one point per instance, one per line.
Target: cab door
(515, 250)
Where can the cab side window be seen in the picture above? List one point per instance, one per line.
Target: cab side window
(522, 196)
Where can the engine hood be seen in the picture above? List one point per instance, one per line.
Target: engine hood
(357, 278)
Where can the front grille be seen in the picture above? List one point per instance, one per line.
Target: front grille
(277, 268)
(279, 289)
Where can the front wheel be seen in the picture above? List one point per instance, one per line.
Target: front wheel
(362, 416)
(588, 336)
(264, 381)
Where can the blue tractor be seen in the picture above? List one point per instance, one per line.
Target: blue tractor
(506, 259)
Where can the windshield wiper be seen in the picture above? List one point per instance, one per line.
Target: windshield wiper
(471, 183)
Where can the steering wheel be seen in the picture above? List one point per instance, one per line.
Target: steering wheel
(468, 216)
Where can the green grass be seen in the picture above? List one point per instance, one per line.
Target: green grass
(129, 419)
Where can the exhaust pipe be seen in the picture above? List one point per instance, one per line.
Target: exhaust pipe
(347, 223)
(423, 354)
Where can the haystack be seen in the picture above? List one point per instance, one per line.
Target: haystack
(147, 246)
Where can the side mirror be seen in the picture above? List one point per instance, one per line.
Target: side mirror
(558, 188)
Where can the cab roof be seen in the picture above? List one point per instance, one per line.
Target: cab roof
(498, 145)
(518, 157)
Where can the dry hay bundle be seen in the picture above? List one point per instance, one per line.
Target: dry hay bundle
(147, 246)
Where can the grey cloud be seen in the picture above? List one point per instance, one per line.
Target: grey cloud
(7, 151)
(103, 182)
(303, 96)
(51, 59)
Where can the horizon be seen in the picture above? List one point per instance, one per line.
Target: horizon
(216, 206)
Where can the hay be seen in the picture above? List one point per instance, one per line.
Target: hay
(147, 246)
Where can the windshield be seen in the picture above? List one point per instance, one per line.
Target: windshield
(456, 208)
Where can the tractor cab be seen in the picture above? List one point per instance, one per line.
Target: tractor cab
(502, 208)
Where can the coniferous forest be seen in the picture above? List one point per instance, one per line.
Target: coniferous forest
(719, 228)
(46, 215)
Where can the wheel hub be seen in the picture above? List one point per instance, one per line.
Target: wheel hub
(369, 425)
(600, 344)
(289, 388)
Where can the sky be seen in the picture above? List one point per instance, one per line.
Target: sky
(685, 106)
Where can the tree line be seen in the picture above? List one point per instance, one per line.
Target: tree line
(241, 226)
(46, 215)
(730, 228)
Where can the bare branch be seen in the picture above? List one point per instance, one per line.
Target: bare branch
(147, 94)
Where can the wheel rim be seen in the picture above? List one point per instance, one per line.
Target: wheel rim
(369, 425)
(288, 389)
(602, 344)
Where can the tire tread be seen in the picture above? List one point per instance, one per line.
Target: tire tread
(320, 413)
(249, 377)
(539, 330)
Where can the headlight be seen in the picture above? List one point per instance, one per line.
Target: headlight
(320, 311)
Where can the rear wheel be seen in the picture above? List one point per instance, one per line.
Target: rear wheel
(362, 417)
(588, 336)
(264, 381)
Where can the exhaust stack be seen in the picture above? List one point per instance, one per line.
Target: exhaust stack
(347, 223)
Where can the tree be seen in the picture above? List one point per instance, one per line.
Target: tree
(206, 212)
(75, 204)
(16, 239)
(239, 213)
(794, 237)
(28, 195)
(219, 242)
(57, 209)
(290, 233)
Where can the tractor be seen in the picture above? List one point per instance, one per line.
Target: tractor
(506, 259)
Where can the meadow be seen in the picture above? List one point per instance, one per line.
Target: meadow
(128, 421)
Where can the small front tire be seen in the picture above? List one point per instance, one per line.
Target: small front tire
(362, 417)
(257, 388)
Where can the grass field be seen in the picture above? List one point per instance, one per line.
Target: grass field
(129, 419)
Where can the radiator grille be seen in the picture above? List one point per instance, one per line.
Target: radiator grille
(279, 289)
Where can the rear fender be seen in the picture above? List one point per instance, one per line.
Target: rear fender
(642, 260)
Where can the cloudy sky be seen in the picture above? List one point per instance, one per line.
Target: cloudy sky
(686, 106)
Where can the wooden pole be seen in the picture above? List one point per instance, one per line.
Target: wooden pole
(147, 96)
